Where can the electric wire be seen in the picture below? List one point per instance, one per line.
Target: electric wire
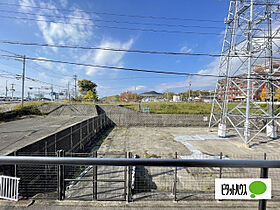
(140, 70)
(114, 21)
(125, 50)
(103, 48)
(115, 27)
(115, 14)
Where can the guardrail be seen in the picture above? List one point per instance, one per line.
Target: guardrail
(264, 165)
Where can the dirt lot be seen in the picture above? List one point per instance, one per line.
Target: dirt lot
(157, 183)
(149, 142)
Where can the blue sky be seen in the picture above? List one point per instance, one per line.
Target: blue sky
(85, 31)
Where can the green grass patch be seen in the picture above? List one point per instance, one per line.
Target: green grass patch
(174, 108)
(29, 110)
(191, 108)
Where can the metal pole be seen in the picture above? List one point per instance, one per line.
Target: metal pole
(27, 160)
(15, 154)
(94, 178)
(128, 180)
(52, 92)
(13, 90)
(175, 180)
(75, 84)
(264, 174)
(248, 90)
(60, 177)
(221, 157)
(6, 92)
(189, 88)
(22, 85)
(68, 90)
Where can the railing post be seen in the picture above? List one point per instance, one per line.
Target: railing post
(15, 171)
(221, 157)
(60, 177)
(175, 180)
(264, 174)
(94, 179)
(128, 180)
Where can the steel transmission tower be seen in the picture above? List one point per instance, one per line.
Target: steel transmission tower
(245, 96)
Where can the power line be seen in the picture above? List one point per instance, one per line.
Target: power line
(115, 21)
(34, 63)
(115, 27)
(29, 78)
(123, 50)
(108, 49)
(140, 70)
(115, 14)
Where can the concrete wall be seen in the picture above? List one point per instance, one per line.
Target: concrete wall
(39, 179)
(71, 139)
(121, 116)
(69, 109)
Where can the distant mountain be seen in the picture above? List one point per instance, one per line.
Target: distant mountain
(151, 93)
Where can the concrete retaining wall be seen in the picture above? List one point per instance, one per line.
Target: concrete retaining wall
(121, 116)
(70, 139)
(69, 109)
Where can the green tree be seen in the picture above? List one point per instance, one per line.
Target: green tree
(87, 85)
(168, 95)
(90, 96)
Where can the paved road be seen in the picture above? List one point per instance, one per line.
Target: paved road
(19, 133)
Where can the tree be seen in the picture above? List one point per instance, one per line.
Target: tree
(128, 96)
(264, 94)
(168, 95)
(90, 96)
(87, 85)
(277, 94)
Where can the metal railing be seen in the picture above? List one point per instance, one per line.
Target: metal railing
(62, 162)
(28, 160)
(9, 188)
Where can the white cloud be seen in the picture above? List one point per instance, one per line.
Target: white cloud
(64, 81)
(103, 57)
(170, 86)
(42, 75)
(185, 49)
(26, 5)
(110, 57)
(139, 87)
(62, 30)
(63, 3)
(45, 64)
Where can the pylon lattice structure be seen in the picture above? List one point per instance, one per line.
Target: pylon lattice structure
(245, 98)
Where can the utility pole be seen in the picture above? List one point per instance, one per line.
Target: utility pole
(13, 90)
(52, 92)
(75, 84)
(135, 83)
(6, 95)
(190, 84)
(68, 90)
(22, 85)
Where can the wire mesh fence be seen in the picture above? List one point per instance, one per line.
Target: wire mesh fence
(132, 183)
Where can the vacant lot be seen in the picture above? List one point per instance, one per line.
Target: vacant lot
(155, 141)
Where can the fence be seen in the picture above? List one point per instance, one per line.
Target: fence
(71, 139)
(134, 179)
(9, 188)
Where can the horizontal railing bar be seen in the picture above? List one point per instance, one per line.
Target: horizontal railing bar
(26, 160)
(90, 180)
